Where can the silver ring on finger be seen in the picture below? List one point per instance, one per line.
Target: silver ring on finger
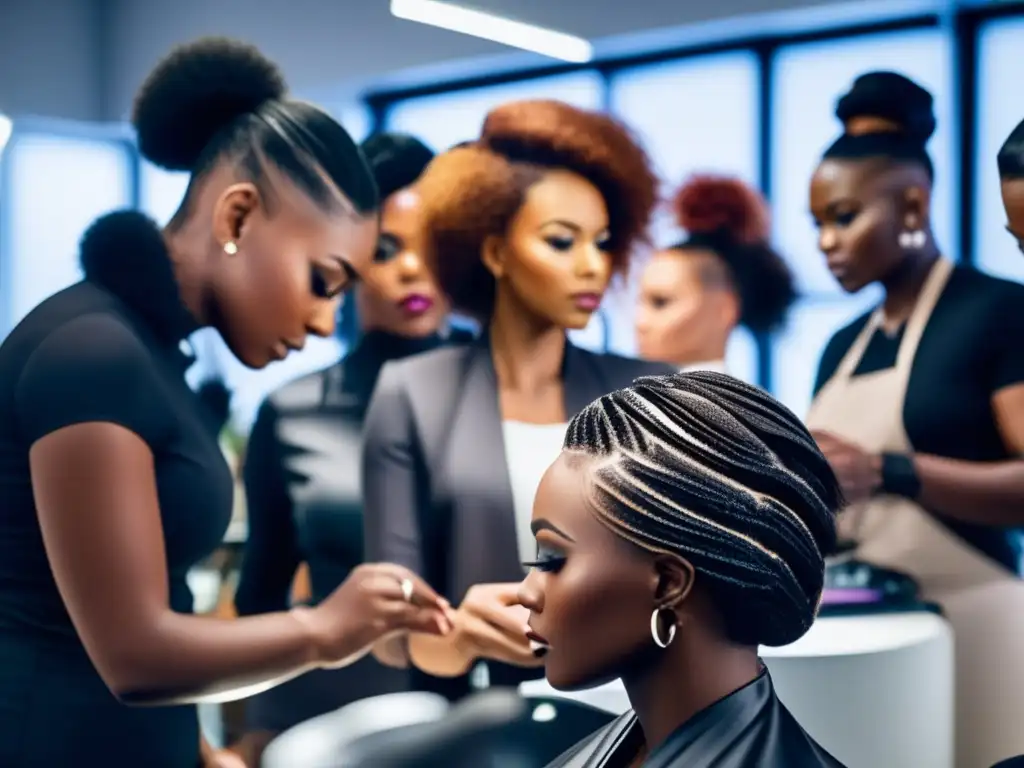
(407, 590)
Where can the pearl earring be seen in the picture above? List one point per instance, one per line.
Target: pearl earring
(913, 240)
(230, 248)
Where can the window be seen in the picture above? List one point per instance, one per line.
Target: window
(1000, 107)
(694, 115)
(446, 119)
(357, 120)
(58, 186)
(160, 192)
(808, 81)
(798, 349)
(698, 114)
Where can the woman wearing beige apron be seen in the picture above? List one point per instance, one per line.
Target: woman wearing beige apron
(919, 405)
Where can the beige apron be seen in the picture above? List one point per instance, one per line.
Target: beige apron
(983, 601)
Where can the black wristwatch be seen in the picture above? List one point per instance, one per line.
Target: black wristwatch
(899, 476)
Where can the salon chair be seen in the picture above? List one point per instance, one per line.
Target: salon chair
(494, 729)
(317, 743)
(497, 728)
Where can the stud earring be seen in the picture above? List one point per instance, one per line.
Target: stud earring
(230, 248)
(656, 628)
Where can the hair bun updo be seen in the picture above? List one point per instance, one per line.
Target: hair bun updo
(708, 204)
(198, 90)
(730, 218)
(892, 97)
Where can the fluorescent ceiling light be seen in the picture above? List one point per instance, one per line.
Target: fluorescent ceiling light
(6, 126)
(529, 37)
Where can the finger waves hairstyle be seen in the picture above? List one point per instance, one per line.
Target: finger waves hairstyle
(473, 190)
(718, 472)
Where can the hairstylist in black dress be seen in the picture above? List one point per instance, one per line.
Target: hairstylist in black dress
(919, 404)
(111, 484)
(302, 464)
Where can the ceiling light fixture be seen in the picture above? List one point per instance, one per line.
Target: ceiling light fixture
(517, 34)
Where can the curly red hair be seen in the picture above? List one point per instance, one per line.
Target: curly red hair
(707, 204)
(474, 191)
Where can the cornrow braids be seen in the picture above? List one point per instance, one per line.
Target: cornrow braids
(714, 470)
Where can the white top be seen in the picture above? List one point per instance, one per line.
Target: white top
(529, 450)
(715, 366)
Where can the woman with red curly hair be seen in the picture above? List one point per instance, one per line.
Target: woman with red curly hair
(725, 273)
(527, 226)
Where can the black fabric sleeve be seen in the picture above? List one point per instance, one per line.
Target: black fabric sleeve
(392, 485)
(1007, 339)
(91, 369)
(272, 554)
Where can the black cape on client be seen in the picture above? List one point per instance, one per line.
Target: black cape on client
(747, 729)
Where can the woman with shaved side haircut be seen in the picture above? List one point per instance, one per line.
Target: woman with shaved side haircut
(919, 403)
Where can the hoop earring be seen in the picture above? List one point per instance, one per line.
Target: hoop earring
(230, 248)
(656, 630)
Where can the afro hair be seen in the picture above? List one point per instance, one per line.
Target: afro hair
(195, 92)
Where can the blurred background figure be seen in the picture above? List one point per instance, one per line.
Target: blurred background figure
(725, 273)
(305, 505)
(919, 403)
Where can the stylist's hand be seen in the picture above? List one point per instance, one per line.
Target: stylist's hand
(489, 624)
(370, 605)
(859, 472)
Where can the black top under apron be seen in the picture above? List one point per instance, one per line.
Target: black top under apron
(971, 348)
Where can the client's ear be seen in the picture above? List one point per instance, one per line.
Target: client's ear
(675, 576)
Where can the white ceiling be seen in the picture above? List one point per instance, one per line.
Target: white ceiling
(84, 59)
(326, 45)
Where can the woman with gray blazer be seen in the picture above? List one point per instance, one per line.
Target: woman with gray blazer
(525, 228)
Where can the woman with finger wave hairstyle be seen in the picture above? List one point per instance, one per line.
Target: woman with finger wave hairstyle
(527, 225)
(684, 524)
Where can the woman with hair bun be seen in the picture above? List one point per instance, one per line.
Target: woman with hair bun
(111, 484)
(725, 273)
(684, 524)
(526, 227)
(919, 403)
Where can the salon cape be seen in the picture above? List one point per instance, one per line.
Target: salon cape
(749, 728)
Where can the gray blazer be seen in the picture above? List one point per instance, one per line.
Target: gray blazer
(435, 478)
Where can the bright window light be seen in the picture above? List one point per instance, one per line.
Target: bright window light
(529, 37)
(6, 126)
